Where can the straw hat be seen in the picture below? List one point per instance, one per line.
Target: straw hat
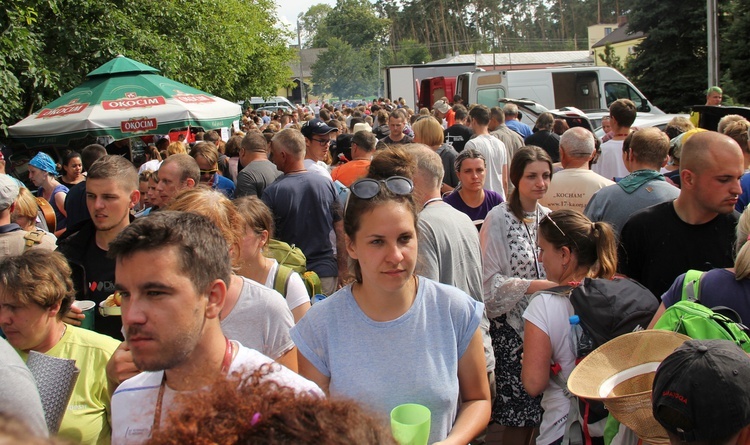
(620, 373)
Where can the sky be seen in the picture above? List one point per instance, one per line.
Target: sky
(288, 10)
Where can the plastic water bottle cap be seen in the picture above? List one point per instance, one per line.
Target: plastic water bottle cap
(574, 319)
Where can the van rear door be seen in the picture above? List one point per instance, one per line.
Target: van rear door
(578, 89)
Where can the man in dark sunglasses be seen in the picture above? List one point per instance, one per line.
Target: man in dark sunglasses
(317, 140)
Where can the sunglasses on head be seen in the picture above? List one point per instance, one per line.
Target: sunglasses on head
(368, 188)
(548, 217)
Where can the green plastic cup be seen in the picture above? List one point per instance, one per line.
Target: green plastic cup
(410, 424)
(88, 307)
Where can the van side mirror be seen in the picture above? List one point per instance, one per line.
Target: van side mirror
(645, 107)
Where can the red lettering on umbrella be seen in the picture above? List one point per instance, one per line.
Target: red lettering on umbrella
(127, 103)
(194, 98)
(72, 107)
(138, 125)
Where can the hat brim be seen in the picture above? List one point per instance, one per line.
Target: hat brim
(621, 372)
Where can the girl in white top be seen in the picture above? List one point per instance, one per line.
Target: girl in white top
(572, 248)
(258, 231)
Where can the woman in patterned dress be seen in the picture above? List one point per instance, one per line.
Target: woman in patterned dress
(511, 274)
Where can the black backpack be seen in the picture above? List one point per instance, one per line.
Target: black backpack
(607, 309)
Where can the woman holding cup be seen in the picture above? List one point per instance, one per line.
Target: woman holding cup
(392, 337)
(35, 291)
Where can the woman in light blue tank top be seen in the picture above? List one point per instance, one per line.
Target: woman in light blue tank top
(392, 337)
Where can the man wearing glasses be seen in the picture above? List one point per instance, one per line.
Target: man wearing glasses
(317, 140)
(306, 209)
(206, 155)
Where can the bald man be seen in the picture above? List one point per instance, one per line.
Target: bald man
(694, 231)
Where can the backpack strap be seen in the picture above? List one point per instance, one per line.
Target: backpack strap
(573, 425)
(281, 280)
(32, 238)
(691, 285)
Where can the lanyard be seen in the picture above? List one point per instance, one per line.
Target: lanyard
(225, 364)
(533, 242)
(430, 201)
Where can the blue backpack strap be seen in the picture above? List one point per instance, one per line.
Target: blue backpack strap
(691, 285)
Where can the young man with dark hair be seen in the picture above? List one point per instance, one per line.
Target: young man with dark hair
(494, 151)
(610, 164)
(171, 317)
(458, 134)
(111, 192)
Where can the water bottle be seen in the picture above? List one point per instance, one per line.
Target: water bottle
(580, 342)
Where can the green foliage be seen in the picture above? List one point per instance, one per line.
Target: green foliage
(735, 51)
(354, 22)
(410, 52)
(313, 25)
(231, 48)
(610, 58)
(344, 72)
(670, 65)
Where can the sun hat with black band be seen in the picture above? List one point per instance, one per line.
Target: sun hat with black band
(701, 391)
(315, 126)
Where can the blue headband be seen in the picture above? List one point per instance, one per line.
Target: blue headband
(43, 161)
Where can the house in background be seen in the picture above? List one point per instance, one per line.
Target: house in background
(309, 56)
(618, 36)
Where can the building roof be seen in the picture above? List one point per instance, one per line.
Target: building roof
(309, 56)
(618, 35)
(534, 58)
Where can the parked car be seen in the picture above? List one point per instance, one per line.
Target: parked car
(646, 120)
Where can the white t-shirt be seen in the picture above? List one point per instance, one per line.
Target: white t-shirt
(260, 319)
(495, 155)
(318, 167)
(572, 188)
(134, 401)
(551, 313)
(296, 292)
(610, 163)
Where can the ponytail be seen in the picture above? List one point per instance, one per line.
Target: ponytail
(594, 244)
(606, 250)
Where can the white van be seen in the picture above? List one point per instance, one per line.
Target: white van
(586, 88)
(274, 101)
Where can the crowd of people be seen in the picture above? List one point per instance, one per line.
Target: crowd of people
(434, 233)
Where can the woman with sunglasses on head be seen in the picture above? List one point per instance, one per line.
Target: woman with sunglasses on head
(511, 273)
(392, 337)
(471, 197)
(572, 248)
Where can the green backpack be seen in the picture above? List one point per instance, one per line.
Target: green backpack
(695, 320)
(287, 255)
(310, 278)
(291, 259)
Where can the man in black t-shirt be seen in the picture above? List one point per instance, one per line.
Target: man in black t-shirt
(696, 230)
(458, 133)
(111, 192)
(396, 124)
